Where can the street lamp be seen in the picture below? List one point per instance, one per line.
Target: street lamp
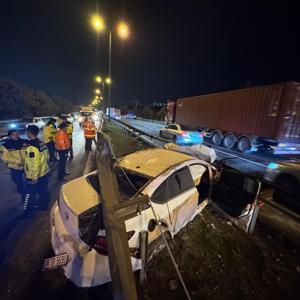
(98, 23)
(97, 91)
(98, 79)
(123, 30)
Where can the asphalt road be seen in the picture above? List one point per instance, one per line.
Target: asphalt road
(24, 243)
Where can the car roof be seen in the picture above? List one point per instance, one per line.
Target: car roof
(152, 162)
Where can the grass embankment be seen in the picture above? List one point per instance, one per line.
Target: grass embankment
(122, 143)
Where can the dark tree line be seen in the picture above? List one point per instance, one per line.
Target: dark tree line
(18, 101)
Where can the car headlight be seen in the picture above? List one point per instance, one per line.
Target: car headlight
(13, 125)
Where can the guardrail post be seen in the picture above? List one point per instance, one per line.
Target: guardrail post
(118, 251)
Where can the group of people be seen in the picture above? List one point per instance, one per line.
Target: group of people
(31, 157)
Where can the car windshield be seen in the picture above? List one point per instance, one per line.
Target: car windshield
(27, 120)
(183, 127)
(125, 188)
(86, 114)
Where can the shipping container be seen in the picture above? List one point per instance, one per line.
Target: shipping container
(264, 116)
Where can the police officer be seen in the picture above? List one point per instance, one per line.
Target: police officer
(49, 138)
(62, 146)
(89, 133)
(12, 152)
(36, 171)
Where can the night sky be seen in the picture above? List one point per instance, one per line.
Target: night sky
(176, 48)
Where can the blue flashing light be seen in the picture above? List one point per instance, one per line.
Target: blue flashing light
(13, 125)
(272, 166)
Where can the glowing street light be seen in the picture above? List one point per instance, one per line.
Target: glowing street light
(123, 30)
(97, 91)
(108, 80)
(98, 79)
(98, 23)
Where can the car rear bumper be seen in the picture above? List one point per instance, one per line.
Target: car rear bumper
(86, 267)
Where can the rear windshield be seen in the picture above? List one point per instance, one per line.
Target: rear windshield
(27, 119)
(125, 188)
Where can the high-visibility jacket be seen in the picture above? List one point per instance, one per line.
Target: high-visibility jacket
(69, 129)
(13, 153)
(89, 129)
(36, 160)
(62, 141)
(49, 133)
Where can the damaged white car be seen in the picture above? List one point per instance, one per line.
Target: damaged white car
(178, 186)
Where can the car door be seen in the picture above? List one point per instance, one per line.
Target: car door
(236, 195)
(175, 200)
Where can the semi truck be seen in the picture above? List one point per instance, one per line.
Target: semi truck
(257, 118)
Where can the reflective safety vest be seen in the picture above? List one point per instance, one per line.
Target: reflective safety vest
(62, 141)
(36, 160)
(49, 133)
(13, 153)
(89, 129)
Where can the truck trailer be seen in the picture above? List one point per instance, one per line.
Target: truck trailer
(250, 119)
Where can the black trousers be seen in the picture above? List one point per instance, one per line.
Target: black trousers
(17, 179)
(71, 148)
(36, 194)
(88, 144)
(63, 155)
(51, 149)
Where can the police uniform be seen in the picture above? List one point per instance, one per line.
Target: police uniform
(49, 138)
(13, 154)
(36, 169)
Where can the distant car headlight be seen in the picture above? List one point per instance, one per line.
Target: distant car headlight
(13, 125)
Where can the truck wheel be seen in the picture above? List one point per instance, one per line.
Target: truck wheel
(229, 140)
(217, 137)
(244, 144)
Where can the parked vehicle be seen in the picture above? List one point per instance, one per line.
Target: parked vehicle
(181, 135)
(22, 125)
(114, 112)
(179, 187)
(256, 118)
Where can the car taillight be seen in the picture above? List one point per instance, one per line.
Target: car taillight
(184, 134)
(101, 243)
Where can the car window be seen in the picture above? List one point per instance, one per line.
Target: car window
(172, 127)
(125, 188)
(177, 183)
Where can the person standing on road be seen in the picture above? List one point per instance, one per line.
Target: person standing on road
(12, 153)
(69, 133)
(62, 146)
(49, 137)
(36, 171)
(89, 133)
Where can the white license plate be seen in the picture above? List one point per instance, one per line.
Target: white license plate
(55, 261)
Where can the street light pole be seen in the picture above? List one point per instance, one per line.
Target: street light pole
(109, 74)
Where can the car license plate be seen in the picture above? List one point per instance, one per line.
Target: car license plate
(56, 261)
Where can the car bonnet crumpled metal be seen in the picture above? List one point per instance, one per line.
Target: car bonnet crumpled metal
(152, 162)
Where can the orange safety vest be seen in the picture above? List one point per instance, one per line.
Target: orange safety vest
(89, 130)
(62, 141)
